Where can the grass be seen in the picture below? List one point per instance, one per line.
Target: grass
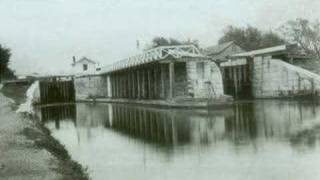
(68, 168)
(15, 92)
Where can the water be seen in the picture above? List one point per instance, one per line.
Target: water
(271, 139)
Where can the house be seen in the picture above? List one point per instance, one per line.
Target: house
(221, 52)
(84, 66)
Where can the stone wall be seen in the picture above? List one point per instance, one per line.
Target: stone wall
(180, 84)
(209, 85)
(91, 86)
(276, 78)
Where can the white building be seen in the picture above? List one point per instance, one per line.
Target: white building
(84, 66)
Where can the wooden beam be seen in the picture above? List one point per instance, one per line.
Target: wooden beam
(115, 85)
(155, 82)
(128, 84)
(150, 90)
(133, 85)
(138, 84)
(143, 83)
(171, 80)
(163, 77)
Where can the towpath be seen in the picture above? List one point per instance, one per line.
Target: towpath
(19, 157)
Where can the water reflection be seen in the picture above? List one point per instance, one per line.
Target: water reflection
(179, 138)
(241, 124)
(58, 113)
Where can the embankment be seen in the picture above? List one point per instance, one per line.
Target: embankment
(28, 151)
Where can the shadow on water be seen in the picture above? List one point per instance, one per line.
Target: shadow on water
(160, 126)
(147, 140)
(59, 113)
(242, 124)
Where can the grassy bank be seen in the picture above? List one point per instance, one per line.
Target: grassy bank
(42, 139)
(15, 92)
(68, 168)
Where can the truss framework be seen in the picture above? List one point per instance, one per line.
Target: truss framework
(154, 54)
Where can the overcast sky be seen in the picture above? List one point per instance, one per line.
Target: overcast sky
(44, 34)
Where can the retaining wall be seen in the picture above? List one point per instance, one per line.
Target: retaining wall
(276, 78)
(91, 86)
(210, 85)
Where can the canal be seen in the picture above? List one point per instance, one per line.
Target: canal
(264, 139)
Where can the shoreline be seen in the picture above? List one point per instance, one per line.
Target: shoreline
(68, 168)
(38, 155)
(176, 104)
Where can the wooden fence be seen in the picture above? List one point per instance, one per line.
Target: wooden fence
(52, 92)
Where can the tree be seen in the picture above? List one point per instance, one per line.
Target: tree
(305, 33)
(251, 38)
(5, 71)
(161, 41)
(270, 39)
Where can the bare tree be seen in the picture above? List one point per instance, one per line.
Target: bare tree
(304, 32)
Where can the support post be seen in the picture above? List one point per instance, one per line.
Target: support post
(123, 86)
(150, 90)
(155, 83)
(119, 86)
(171, 80)
(138, 84)
(143, 83)
(109, 87)
(115, 86)
(128, 83)
(163, 73)
(133, 85)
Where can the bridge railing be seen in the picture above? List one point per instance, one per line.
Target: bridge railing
(154, 54)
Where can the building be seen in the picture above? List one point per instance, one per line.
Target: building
(221, 52)
(180, 74)
(84, 66)
(269, 73)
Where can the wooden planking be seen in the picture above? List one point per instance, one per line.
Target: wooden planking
(56, 92)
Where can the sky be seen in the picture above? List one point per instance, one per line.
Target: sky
(43, 35)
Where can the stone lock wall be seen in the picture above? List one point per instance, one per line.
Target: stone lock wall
(276, 78)
(91, 86)
(210, 85)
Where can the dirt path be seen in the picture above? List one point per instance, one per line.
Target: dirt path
(28, 152)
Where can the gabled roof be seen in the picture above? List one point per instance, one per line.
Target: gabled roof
(213, 50)
(267, 51)
(84, 59)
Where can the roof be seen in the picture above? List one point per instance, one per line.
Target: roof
(213, 50)
(84, 59)
(272, 50)
(153, 55)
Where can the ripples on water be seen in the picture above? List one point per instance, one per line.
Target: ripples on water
(272, 139)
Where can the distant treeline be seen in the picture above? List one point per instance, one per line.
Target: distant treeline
(301, 31)
(5, 72)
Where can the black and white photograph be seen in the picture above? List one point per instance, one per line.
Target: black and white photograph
(159, 90)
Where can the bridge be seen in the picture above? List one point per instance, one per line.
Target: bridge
(162, 73)
(182, 74)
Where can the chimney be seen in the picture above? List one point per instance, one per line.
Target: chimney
(74, 59)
